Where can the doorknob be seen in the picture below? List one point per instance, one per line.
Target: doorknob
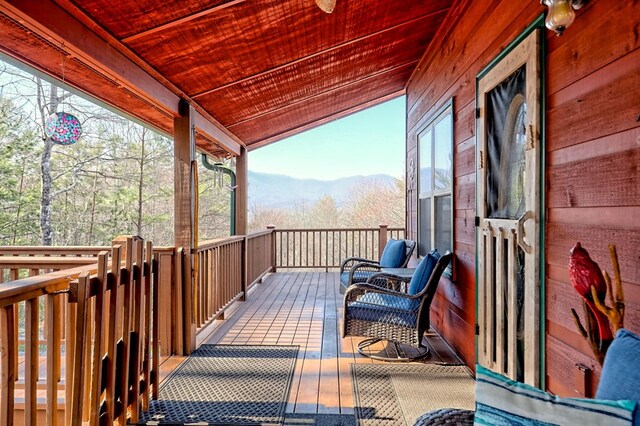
(521, 242)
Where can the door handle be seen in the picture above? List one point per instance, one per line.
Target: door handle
(521, 242)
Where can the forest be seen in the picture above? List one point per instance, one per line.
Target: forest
(118, 179)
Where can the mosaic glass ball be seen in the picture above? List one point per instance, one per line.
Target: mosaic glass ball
(63, 128)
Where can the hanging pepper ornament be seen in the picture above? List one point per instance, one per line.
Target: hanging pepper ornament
(592, 285)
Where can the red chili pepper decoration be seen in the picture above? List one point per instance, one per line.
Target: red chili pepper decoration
(584, 274)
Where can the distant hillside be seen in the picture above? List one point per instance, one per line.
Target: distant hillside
(271, 190)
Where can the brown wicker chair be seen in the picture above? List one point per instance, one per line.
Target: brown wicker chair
(357, 269)
(392, 308)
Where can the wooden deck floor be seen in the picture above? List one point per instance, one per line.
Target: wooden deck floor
(304, 308)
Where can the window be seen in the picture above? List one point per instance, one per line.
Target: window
(435, 157)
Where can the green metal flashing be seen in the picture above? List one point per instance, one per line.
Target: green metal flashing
(543, 197)
(232, 176)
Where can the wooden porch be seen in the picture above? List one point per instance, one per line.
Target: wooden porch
(305, 309)
(140, 317)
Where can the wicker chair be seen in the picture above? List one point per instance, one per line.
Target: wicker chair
(392, 308)
(357, 269)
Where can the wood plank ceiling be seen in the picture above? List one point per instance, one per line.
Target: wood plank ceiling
(266, 69)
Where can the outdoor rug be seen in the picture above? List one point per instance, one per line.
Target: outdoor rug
(397, 394)
(295, 419)
(227, 384)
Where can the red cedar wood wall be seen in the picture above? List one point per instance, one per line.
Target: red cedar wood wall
(592, 154)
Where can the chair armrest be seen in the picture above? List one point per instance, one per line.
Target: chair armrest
(387, 280)
(364, 269)
(351, 261)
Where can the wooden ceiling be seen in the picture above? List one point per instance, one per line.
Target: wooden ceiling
(264, 69)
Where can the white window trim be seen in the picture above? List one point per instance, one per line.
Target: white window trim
(433, 193)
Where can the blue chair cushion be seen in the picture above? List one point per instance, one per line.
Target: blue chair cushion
(384, 308)
(358, 276)
(620, 378)
(423, 272)
(394, 254)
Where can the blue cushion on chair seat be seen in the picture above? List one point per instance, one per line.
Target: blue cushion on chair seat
(358, 276)
(620, 377)
(384, 308)
(394, 254)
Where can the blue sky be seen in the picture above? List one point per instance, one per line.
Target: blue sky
(367, 143)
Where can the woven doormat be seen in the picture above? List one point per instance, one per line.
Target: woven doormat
(227, 384)
(397, 394)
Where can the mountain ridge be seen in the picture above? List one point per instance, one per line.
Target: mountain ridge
(280, 190)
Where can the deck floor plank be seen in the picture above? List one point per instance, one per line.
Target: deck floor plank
(305, 309)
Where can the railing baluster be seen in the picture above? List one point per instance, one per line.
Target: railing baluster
(156, 328)
(99, 327)
(53, 360)
(31, 361)
(8, 353)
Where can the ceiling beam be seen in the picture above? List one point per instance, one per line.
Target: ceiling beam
(319, 53)
(331, 90)
(324, 120)
(55, 24)
(182, 20)
(206, 128)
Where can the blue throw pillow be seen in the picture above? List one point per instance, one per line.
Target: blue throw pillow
(504, 402)
(393, 254)
(423, 272)
(620, 378)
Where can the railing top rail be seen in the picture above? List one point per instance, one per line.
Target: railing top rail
(164, 249)
(41, 262)
(44, 250)
(259, 233)
(206, 245)
(29, 288)
(332, 229)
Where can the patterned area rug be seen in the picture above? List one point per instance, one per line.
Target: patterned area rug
(227, 384)
(397, 394)
(296, 419)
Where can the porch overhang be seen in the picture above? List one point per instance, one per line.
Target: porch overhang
(254, 72)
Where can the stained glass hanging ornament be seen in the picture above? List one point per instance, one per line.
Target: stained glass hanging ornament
(61, 127)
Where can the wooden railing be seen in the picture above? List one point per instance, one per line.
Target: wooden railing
(111, 308)
(113, 312)
(219, 278)
(325, 248)
(260, 256)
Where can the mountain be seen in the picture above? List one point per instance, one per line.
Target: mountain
(273, 190)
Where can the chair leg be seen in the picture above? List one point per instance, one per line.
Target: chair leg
(401, 356)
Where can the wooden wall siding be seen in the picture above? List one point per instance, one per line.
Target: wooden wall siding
(592, 152)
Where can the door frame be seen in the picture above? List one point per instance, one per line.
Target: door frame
(538, 23)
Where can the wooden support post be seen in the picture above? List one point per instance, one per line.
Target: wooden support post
(241, 213)
(272, 228)
(244, 262)
(185, 213)
(382, 239)
(241, 192)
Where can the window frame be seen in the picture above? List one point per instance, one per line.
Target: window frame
(430, 125)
